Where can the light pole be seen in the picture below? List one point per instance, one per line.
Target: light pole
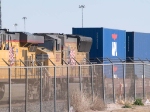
(0, 16)
(82, 6)
(24, 23)
(15, 25)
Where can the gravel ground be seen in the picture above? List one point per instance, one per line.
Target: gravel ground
(61, 106)
(118, 108)
(35, 107)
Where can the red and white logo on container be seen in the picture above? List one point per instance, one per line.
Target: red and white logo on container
(114, 45)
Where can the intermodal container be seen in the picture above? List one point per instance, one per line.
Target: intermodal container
(107, 43)
(138, 45)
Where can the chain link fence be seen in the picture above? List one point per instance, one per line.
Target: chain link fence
(49, 89)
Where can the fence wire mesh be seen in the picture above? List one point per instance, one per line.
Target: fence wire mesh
(129, 81)
(108, 83)
(4, 90)
(32, 81)
(118, 71)
(61, 88)
(41, 88)
(98, 81)
(147, 81)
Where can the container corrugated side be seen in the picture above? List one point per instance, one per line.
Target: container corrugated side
(107, 43)
(138, 45)
(114, 43)
(142, 45)
(96, 35)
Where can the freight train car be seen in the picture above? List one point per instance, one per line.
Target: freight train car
(59, 46)
(61, 49)
(39, 49)
(15, 49)
(65, 49)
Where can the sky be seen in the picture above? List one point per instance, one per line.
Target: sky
(59, 16)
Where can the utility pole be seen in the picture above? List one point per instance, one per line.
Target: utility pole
(24, 18)
(82, 6)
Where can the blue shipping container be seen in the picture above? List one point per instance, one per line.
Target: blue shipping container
(138, 45)
(107, 43)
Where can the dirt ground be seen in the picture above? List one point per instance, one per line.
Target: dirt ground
(118, 108)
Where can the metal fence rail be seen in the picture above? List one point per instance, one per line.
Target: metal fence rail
(45, 88)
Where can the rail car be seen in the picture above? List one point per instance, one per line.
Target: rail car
(15, 49)
(23, 49)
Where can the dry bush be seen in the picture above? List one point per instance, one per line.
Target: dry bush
(126, 104)
(98, 104)
(79, 101)
(123, 102)
(147, 96)
(129, 101)
(82, 101)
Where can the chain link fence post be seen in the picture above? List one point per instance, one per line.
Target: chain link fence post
(113, 85)
(143, 80)
(9, 73)
(68, 95)
(92, 88)
(103, 83)
(134, 83)
(124, 84)
(26, 89)
(80, 78)
(41, 88)
(54, 88)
